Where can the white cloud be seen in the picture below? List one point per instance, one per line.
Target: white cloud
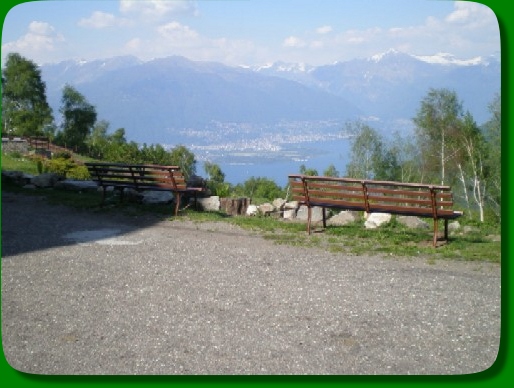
(41, 37)
(324, 30)
(467, 31)
(178, 34)
(293, 41)
(156, 9)
(100, 20)
(471, 13)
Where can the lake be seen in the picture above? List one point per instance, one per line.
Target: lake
(239, 166)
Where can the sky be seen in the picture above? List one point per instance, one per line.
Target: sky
(248, 32)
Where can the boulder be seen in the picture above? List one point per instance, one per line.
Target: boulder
(413, 222)
(252, 210)
(453, 226)
(291, 205)
(317, 213)
(75, 185)
(279, 203)
(266, 209)
(289, 214)
(209, 204)
(344, 217)
(18, 177)
(45, 180)
(376, 219)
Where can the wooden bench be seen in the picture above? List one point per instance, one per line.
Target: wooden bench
(141, 177)
(409, 199)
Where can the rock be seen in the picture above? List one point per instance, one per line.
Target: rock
(413, 222)
(317, 213)
(376, 219)
(209, 204)
(266, 209)
(45, 180)
(453, 226)
(291, 205)
(289, 214)
(75, 185)
(470, 229)
(252, 210)
(18, 177)
(344, 217)
(279, 203)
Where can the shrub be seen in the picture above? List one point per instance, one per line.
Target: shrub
(78, 173)
(59, 166)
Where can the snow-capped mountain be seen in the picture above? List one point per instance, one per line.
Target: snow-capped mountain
(163, 96)
(392, 84)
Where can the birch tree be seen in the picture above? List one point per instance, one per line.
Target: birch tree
(437, 123)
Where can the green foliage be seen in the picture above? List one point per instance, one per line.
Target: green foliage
(308, 171)
(259, 188)
(331, 171)
(25, 110)
(59, 166)
(78, 173)
(437, 124)
(79, 117)
(370, 156)
(216, 180)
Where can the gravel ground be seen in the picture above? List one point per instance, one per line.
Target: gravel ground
(86, 293)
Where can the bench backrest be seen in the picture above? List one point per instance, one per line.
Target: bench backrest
(373, 196)
(138, 176)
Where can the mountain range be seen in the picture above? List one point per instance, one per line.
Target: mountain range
(159, 101)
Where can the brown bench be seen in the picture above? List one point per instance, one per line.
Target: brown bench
(141, 177)
(409, 199)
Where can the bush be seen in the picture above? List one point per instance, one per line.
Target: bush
(79, 173)
(59, 166)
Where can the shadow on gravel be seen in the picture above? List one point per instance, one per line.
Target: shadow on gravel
(30, 223)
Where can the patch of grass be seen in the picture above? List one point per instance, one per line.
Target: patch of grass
(17, 162)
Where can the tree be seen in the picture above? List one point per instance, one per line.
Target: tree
(263, 188)
(216, 179)
(437, 121)
(97, 141)
(25, 110)
(308, 171)
(181, 156)
(470, 162)
(79, 116)
(406, 155)
(369, 157)
(331, 171)
(492, 133)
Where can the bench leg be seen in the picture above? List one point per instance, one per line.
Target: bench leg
(177, 202)
(309, 216)
(435, 232)
(324, 211)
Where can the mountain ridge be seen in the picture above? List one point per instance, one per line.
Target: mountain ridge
(156, 100)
